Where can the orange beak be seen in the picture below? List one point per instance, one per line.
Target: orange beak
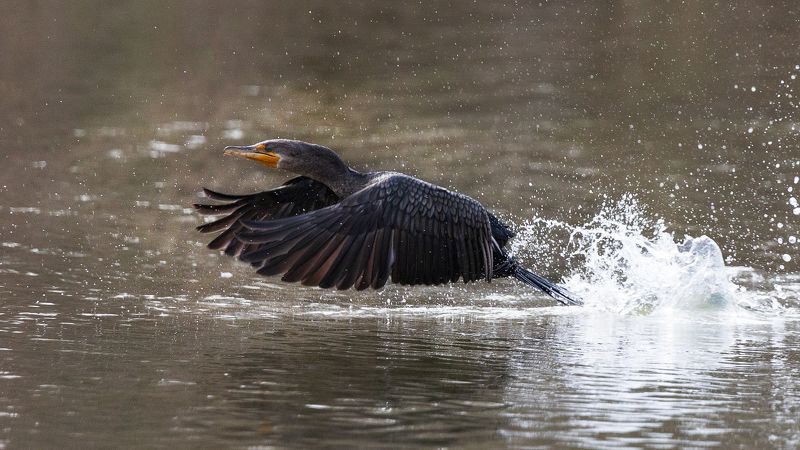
(255, 153)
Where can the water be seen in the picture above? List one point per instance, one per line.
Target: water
(627, 262)
(646, 155)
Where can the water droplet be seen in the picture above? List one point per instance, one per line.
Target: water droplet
(786, 257)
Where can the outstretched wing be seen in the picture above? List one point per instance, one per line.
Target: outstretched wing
(297, 196)
(398, 226)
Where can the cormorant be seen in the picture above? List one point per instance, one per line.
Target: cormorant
(335, 227)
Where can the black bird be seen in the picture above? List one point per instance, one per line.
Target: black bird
(335, 227)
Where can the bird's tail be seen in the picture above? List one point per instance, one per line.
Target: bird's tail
(548, 287)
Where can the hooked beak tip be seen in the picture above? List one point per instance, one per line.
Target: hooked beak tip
(237, 150)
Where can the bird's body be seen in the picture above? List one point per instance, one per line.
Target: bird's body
(336, 227)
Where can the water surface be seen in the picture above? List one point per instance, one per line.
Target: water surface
(604, 131)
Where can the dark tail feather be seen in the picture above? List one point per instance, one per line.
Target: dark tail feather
(553, 290)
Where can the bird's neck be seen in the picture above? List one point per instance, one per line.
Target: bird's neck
(342, 180)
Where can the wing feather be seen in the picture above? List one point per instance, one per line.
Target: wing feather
(386, 259)
(397, 226)
(322, 263)
(297, 196)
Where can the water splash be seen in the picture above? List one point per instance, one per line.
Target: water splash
(624, 260)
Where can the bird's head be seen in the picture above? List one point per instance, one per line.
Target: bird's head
(295, 156)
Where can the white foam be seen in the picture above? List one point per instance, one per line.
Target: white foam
(625, 261)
